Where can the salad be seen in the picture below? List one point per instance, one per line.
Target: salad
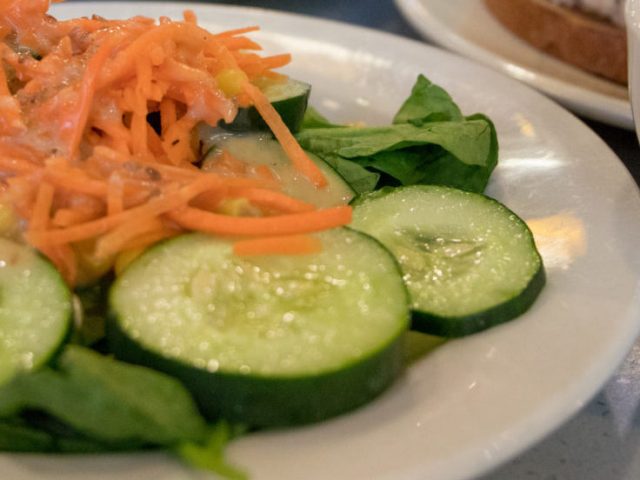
(188, 251)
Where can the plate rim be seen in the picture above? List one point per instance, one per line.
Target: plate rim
(583, 391)
(584, 101)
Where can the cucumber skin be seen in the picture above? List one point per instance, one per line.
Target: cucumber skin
(464, 325)
(461, 326)
(271, 401)
(291, 111)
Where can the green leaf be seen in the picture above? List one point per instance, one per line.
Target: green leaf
(406, 166)
(17, 436)
(358, 177)
(427, 103)
(35, 432)
(466, 156)
(430, 142)
(211, 455)
(110, 401)
(93, 302)
(314, 119)
(468, 140)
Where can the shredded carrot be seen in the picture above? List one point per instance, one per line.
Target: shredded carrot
(42, 207)
(64, 258)
(284, 245)
(4, 87)
(76, 181)
(237, 31)
(189, 16)
(265, 173)
(288, 224)
(271, 200)
(65, 217)
(115, 195)
(168, 114)
(170, 201)
(16, 165)
(87, 92)
(114, 241)
(108, 163)
(297, 155)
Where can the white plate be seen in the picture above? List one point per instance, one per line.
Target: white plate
(475, 402)
(467, 27)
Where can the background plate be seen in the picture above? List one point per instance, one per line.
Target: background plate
(467, 27)
(475, 402)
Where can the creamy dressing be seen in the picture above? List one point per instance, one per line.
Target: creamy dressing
(261, 149)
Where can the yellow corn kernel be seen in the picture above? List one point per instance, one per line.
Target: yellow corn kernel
(238, 207)
(230, 81)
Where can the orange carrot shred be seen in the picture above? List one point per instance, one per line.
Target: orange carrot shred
(42, 207)
(99, 142)
(87, 90)
(114, 241)
(65, 217)
(288, 224)
(115, 195)
(237, 31)
(190, 17)
(64, 258)
(76, 181)
(272, 200)
(16, 165)
(293, 150)
(169, 201)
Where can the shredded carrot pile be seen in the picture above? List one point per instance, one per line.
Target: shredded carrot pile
(90, 176)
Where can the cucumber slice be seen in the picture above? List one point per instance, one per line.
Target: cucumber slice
(469, 262)
(260, 149)
(290, 99)
(268, 340)
(35, 309)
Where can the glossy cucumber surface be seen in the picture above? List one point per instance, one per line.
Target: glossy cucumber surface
(468, 261)
(266, 340)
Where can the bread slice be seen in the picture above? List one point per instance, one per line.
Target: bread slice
(586, 41)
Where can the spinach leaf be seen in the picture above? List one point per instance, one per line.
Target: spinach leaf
(17, 436)
(430, 142)
(428, 103)
(356, 175)
(38, 432)
(107, 400)
(90, 326)
(210, 455)
(314, 119)
(469, 140)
